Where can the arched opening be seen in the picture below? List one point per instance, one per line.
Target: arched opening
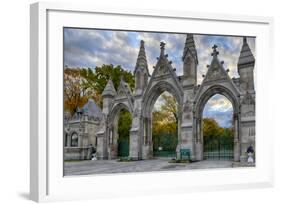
(149, 103)
(74, 140)
(165, 126)
(203, 98)
(124, 126)
(218, 129)
(119, 132)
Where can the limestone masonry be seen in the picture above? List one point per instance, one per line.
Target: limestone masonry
(93, 129)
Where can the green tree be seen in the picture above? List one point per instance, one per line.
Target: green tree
(97, 79)
(213, 132)
(124, 124)
(170, 106)
(80, 84)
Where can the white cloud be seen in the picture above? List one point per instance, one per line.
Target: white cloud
(91, 48)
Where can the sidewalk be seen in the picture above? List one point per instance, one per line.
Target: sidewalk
(113, 166)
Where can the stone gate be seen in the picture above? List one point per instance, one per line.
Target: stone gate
(191, 99)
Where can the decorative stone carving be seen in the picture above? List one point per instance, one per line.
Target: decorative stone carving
(248, 99)
(141, 102)
(162, 70)
(187, 110)
(248, 114)
(215, 73)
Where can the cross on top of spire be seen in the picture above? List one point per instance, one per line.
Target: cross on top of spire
(162, 47)
(215, 52)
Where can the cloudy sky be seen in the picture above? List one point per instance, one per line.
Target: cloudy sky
(91, 48)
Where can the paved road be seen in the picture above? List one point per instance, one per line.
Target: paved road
(113, 166)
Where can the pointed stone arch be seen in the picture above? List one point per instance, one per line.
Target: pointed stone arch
(201, 100)
(191, 100)
(112, 127)
(149, 100)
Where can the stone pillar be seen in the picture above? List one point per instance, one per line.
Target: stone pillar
(145, 145)
(114, 141)
(187, 140)
(199, 139)
(149, 136)
(68, 140)
(134, 152)
(101, 146)
(102, 140)
(135, 134)
(236, 139)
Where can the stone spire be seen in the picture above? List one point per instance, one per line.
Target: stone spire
(246, 64)
(246, 57)
(109, 89)
(190, 46)
(141, 70)
(141, 60)
(190, 62)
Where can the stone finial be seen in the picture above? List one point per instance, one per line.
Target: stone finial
(215, 52)
(162, 47)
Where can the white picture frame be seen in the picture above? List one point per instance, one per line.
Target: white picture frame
(46, 177)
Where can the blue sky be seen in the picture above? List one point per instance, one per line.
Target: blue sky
(91, 48)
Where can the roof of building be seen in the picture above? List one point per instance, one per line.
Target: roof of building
(92, 110)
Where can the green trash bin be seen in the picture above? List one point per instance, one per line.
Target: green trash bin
(185, 154)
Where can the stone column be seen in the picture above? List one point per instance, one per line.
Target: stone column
(236, 139)
(68, 140)
(102, 140)
(149, 131)
(199, 139)
(145, 145)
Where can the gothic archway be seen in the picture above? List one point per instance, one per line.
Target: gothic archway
(113, 136)
(148, 104)
(198, 118)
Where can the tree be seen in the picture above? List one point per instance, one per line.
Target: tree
(97, 79)
(80, 84)
(170, 106)
(165, 120)
(75, 95)
(214, 133)
(211, 128)
(124, 124)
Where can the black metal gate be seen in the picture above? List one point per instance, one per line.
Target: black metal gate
(219, 149)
